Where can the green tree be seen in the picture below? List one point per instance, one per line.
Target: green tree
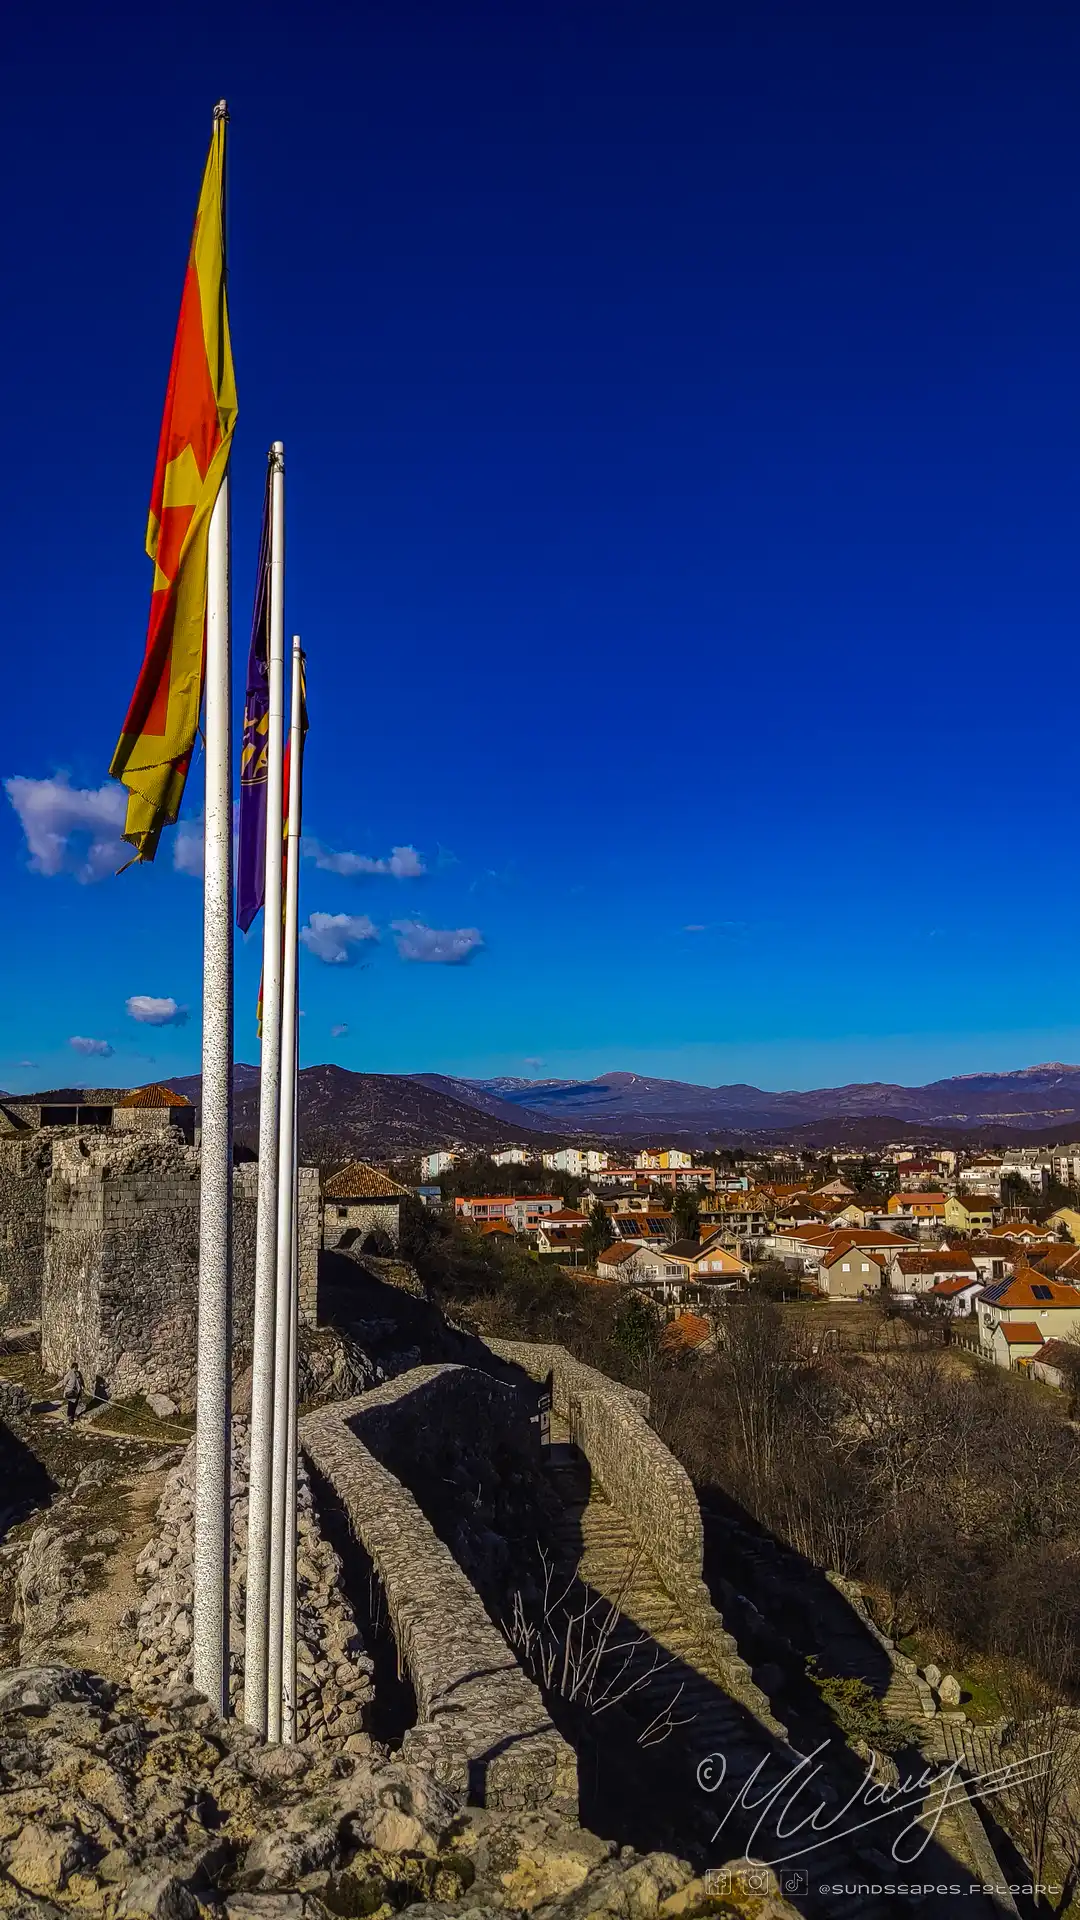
(597, 1235)
(684, 1206)
(637, 1332)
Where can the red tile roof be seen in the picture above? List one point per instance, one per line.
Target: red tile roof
(1022, 1333)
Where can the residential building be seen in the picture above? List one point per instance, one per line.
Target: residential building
(562, 1243)
(512, 1157)
(566, 1160)
(612, 1261)
(506, 1206)
(1055, 1364)
(845, 1273)
(1067, 1218)
(917, 1206)
(644, 1229)
(982, 1175)
(915, 1175)
(1030, 1301)
(957, 1295)
(1014, 1343)
(1033, 1169)
(971, 1212)
(1065, 1166)
(1023, 1233)
(684, 1272)
(433, 1164)
(662, 1158)
(920, 1269)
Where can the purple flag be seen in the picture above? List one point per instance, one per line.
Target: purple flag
(251, 861)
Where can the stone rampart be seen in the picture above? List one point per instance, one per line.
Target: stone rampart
(482, 1727)
(24, 1174)
(651, 1491)
(120, 1287)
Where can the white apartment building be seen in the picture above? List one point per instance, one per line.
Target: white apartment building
(512, 1157)
(432, 1164)
(1035, 1169)
(1065, 1166)
(576, 1160)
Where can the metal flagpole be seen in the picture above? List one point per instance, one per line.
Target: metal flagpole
(286, 1182)
(210, 1648)
(288, 1627)
(256, 1624)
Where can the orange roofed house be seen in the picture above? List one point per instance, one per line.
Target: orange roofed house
(1017, 1316)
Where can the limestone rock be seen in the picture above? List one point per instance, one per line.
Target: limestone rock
(160, 1404)
(933, 1676)
(42, 1859)
(950, 1692)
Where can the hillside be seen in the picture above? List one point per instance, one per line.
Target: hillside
(364, 1115)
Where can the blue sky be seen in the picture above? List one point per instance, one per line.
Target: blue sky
(681, 413)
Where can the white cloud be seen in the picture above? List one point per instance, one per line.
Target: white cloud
(154, 1012)
(694, 928)
(82, 1045)
(403, 863)
(332, 937)
(443, 946)
(187, 848)
(336, 1032)
(69, 829)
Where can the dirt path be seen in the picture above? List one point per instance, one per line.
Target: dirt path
(103, 1637)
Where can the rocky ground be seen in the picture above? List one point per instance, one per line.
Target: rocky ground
(333, 1669)
(115, 1807)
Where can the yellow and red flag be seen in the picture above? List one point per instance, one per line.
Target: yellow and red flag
(154, 750)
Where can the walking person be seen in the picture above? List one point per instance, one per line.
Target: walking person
(71, 1390)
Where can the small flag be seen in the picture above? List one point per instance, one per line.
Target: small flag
(154, 750)
(251, 856)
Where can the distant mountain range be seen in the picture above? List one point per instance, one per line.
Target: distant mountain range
(377, 1114)
(1045, 1097)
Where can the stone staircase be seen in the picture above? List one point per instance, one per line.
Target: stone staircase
(692, 1687)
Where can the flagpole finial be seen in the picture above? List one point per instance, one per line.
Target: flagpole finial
(221, 111)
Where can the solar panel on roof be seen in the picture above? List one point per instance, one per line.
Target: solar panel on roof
(1043, 1293)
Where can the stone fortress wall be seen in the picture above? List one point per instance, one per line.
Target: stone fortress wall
(652, 1492)
(119, 1287)
(25, 1166)
(482, 1725)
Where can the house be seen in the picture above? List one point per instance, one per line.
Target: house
(917, 1206)
(1027, 1299)
(957, 1295)
(1066, 1218)
(361, 1208)
(920, 1269)
(686, 1333)
(1061, 1261)
(684, 1272)
(971, 1212)
(562, 1222)
(917, 1175)
(644, 1229)
(661, 1158)
(742, 1216)
(560, 1243)
(995, 1259)
(847, 1272)
(1014, 1343)
(526, 1211)
(1023, 1233)
(1056, 1364)
(433, 1164)
(613, 1259)
(511, 1157)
